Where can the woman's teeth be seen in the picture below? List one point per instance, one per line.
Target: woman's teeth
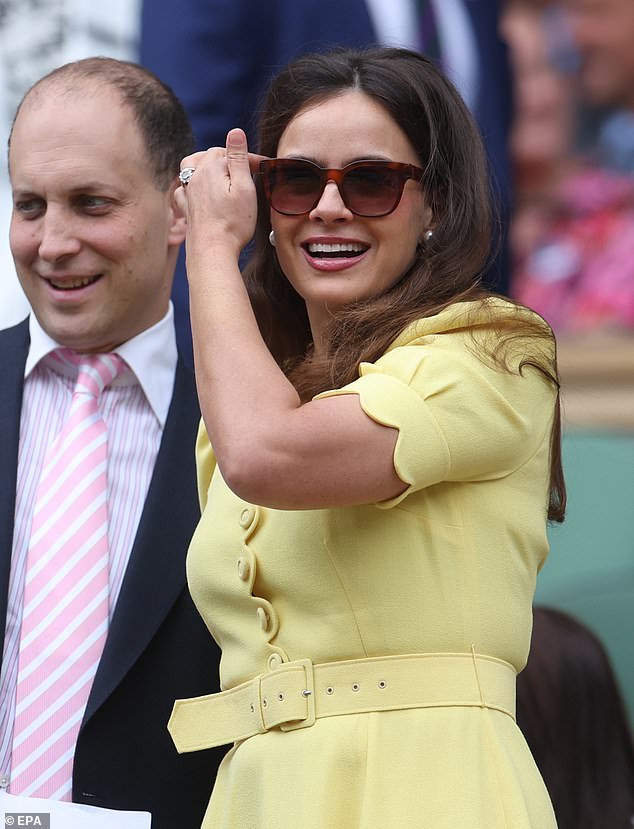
(336, 249)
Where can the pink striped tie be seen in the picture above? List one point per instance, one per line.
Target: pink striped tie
(65, 616)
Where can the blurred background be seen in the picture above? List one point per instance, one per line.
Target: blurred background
(566, 148)
(572, 243)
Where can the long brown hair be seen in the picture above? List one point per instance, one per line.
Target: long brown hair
(446, 269)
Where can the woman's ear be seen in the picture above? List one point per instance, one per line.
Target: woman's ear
(429, 224)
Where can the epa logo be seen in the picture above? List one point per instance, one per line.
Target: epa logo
(42, 821)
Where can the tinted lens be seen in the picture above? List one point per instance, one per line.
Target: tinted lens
(368, 188)
(371, 190)
(294, 188)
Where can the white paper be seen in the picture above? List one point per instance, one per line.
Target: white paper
(37, 812)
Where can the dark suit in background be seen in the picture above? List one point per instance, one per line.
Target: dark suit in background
(219, 56)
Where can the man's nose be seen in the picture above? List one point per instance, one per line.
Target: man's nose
(58, 236)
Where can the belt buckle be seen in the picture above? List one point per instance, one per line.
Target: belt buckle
(308, 692)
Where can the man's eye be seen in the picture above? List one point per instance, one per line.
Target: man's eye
(29, 207)
(93, 202)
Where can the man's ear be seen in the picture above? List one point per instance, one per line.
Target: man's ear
(178, 217)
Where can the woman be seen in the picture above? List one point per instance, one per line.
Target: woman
(376, 499)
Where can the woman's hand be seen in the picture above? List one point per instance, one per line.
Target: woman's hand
(220, 200)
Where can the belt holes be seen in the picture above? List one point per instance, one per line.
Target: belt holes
(264, 703)
(330, 690)
(252, 707)
(280, 697)
(355, 686)
(382, 684)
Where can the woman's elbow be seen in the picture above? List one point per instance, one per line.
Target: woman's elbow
(250, 474)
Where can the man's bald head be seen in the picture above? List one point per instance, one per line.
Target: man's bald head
(158, 113)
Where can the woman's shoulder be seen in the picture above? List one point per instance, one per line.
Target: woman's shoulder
(493, 315)
(478, 337)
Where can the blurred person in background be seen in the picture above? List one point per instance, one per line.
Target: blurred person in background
(572, 236)
(603, 33)
(542, 127)
(570, 710)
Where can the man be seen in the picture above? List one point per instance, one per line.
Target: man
(35, 37)
(220, 55)
(93, 158)
(603, 32)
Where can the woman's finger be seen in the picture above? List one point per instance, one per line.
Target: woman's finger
(238, 155)
(188, 167)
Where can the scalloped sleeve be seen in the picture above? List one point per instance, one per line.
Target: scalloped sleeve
(458, 418)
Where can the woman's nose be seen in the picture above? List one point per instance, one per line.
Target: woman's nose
(331, 206)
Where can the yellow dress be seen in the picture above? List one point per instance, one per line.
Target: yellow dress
(449, 566)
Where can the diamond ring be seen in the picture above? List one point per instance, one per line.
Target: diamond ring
(185, 175)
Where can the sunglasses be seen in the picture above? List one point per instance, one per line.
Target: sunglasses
(367, 188)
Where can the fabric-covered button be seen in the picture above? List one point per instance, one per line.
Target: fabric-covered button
(263, 619)
(274, 661)
(246, 517)
(244, 568)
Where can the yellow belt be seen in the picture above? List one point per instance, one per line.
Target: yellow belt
(297, 693)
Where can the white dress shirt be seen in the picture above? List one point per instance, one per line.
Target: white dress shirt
(134, 408)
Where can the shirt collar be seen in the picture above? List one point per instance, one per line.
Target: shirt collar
(151, 355)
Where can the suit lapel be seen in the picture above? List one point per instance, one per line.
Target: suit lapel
(156, 571)
(14, 347)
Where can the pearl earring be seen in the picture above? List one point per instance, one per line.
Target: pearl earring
(272, 238)
(427, 235)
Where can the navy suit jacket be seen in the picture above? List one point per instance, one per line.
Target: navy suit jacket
(158, 649)
(220, 55)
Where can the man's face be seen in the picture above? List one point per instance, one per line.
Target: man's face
(604, 33)
(93, 237)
